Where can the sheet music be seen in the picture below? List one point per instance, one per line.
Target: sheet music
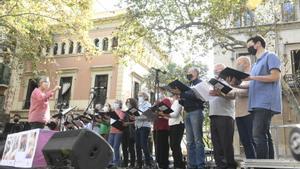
(68, 110)
(201, 90)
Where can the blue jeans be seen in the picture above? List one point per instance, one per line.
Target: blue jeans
(141, 143)
(194, 136)
(261, 126)
(114, 140)
(244, 126)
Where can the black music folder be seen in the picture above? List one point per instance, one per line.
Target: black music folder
(219, 85)
(133, 111)
(117, 124)
(113, 115)
(150, 114)
(162, 107)
(178, 84)
(229, 72)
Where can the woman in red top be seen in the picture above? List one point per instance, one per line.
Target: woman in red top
(161, 138)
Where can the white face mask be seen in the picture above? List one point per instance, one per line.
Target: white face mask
(128, 105)
(105, 108)
(141, 99)
(116, 106)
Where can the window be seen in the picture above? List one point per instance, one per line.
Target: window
(152, 97)
(105, 44)
(79, 47)
(32, 84)
(114, 42)
(295, 54)
(63, 48)
(55, 49)
(100, 89)
(288, 11)
(65, 92)
(248, 18)
(97, 43)
(136, 90)
(71, 47)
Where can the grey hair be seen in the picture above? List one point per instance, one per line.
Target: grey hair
(43, 79)
(195, 70)
(245, 58)
(145, 95)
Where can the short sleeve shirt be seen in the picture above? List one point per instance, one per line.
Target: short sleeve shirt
(262, 94)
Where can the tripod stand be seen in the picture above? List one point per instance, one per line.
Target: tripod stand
(96, 93)
(157, 99)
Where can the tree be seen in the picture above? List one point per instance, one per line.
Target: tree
(173, 72)
(199, 23)
(27, 27)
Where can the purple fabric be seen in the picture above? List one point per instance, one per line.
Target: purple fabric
(43, 138)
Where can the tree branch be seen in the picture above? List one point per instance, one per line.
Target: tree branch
(9, 11)
(30, 13)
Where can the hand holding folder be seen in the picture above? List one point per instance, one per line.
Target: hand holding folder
(117, 124)
(153, 112)
(133, 111)
(235, 76)
(225, 89)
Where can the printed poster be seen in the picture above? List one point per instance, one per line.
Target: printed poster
(20, 148)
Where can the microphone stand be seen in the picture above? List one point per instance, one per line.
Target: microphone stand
(156, 91)
(95, 94)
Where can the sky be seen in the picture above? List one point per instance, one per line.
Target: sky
(110, 5)
(105, 5)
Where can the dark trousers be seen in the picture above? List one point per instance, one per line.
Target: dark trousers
(222, 129)
(161, 142)
(128, 148)
(261, 133)
(37, 125)
(244, 126)
(176, 134)
(141, 143)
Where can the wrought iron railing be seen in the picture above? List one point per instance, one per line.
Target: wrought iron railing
(293, 80)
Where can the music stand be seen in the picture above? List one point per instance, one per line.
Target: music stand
(61, 116)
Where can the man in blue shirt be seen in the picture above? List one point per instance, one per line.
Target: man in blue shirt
(264, 94)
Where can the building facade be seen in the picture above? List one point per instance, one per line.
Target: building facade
(104, 76)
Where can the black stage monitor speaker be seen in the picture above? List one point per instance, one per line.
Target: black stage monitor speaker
(79, 149)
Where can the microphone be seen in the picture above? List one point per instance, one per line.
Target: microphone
(158, 70)
(101, 87)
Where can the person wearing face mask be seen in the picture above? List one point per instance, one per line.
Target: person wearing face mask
(161, 134)
(265, 95)
(193, 122)
(115, 135)
(143, 127)
(128, 138)
(39, 111)
(105, 122)
(176, 130)
(243, 118)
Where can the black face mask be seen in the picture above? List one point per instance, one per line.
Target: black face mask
(16, 120)
(189, 77)
(252, 50)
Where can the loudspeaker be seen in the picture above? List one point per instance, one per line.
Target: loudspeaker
(79, 149)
